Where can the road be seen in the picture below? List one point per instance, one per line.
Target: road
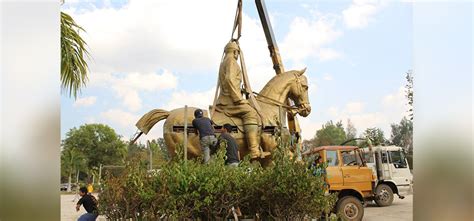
(400, 210)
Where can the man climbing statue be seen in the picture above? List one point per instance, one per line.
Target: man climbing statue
(231, 101)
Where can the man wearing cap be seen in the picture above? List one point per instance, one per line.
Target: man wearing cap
(203, 125)
(231, 101)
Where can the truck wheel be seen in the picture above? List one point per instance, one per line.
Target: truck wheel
(350, 208)
(383, 195)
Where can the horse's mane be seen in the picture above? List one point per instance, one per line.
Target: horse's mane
(280, 79)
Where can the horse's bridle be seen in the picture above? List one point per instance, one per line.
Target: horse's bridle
(299, 85)
(298, 105)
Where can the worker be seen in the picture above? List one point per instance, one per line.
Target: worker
(90, 188)
(231, 102)
(90, 205)
(232, 156)
(204, 127)
(317, 167)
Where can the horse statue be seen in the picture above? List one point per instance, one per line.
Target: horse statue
(272, 99)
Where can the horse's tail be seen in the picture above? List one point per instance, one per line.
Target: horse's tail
(150, 119)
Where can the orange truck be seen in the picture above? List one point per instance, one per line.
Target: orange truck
(347, 176)
(359, 175)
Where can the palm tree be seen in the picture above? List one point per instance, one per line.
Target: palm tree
(73, 56)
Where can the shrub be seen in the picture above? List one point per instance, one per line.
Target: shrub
(189, 189)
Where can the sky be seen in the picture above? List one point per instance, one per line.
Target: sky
(151, 54)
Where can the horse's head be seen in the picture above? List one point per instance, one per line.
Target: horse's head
(299, 93)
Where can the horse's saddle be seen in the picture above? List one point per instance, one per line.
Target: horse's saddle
(220, 118)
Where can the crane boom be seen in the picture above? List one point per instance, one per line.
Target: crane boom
(293, 124)
(271, 41)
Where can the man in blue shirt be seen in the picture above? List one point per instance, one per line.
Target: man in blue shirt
(203, 125)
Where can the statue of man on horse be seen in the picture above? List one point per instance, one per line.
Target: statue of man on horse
(259, 121)
(231, 101)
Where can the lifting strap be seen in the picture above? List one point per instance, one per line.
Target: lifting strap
(237, 22)
(238, 26)
(213, 110)
(247, 87)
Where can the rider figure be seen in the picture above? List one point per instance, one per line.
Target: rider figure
(231, 101)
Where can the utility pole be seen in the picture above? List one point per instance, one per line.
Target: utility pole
(185, 145)
(151, 155)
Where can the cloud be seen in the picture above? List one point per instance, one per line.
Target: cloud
(390, 110)
(306, 38)
(143, 36)
(85, 101)
(91, 120)
(327, 54)
(308, 127)
(124, 124)
(354, 107)
(327, 77)
(200, 99)
(395, 104)
(120, 118)
(139, 38)
(127, 86)
(395, 99)
(361, 12)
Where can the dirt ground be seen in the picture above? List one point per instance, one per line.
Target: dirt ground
(400, 210)
(68, 208)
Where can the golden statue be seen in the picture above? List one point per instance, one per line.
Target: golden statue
(231, 102)
(252, 132)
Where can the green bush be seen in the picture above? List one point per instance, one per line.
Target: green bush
(188, 189)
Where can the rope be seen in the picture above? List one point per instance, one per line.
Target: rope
(237, 21)
(213, 110)
(274, 102)
(248, 89)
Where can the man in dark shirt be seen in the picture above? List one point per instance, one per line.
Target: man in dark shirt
(203, 125)
(90, 205)
(232, 149)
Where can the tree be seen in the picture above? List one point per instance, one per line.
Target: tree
(163, 148)
(135, 150)
(375, 135)
(139, 153)
(330, 134)
(160, 152)
(409, 93)
(73, 56)
(351, 133)
(402, 136)
(98, 143)
(71, 161)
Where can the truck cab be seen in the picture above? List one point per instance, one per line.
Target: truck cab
(358, 175)
(390, 166)
(348, 176)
